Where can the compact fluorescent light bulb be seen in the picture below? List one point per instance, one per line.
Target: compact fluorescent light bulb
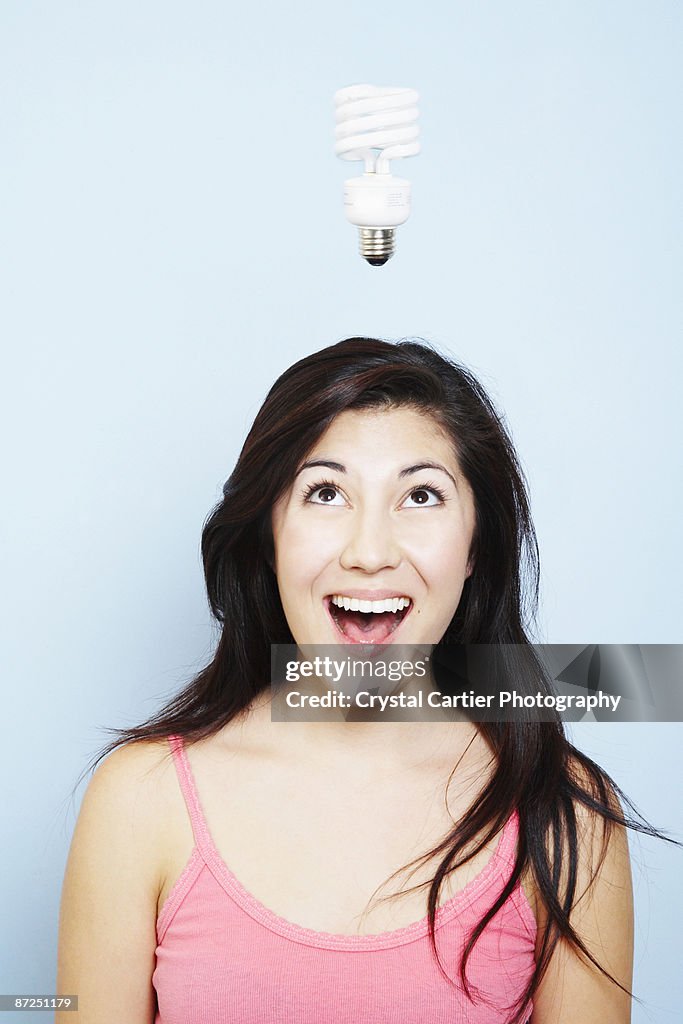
(376, 124)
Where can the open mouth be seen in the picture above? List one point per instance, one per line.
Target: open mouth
(367, 622)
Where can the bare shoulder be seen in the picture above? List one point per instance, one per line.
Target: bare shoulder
(111, 881)
(601, 915)
(602, 844)
(137, 785)
(123, 812)
(133, 770)
(598, 839)
(132, 784)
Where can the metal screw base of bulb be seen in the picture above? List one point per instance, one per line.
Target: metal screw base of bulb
(376, 245)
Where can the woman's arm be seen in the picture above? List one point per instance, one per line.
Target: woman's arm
(573, 991)
(107, 922)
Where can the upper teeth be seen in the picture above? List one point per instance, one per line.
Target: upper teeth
(354, 604)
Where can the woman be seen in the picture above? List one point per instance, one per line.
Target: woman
(224, 865)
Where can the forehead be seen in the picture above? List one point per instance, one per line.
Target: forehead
(385, 434)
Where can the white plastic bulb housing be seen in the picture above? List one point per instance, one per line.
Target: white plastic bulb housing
(376, 124)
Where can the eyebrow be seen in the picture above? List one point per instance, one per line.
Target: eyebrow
(338, 468)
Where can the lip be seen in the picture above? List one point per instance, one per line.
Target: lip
(367, 595)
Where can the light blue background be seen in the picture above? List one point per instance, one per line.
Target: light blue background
(173, 238)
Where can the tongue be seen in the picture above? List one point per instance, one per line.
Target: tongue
(367, 627)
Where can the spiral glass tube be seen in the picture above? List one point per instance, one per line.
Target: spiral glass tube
(376, 124)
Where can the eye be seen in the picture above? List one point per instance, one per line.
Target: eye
(423, 494)
(326, 493)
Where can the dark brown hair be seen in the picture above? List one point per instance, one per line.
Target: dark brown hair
(538, 772)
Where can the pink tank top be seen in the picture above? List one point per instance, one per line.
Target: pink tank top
(223, 958)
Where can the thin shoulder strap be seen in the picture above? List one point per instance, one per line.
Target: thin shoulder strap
(188, 788)
(506, 851)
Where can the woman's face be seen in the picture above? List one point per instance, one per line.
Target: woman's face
(378, 510)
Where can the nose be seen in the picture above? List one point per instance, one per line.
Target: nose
(371, 543)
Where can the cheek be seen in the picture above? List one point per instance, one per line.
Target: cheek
(447, 575)
(303, 547)
(441, 551)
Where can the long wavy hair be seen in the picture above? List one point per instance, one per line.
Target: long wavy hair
(537, 771)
